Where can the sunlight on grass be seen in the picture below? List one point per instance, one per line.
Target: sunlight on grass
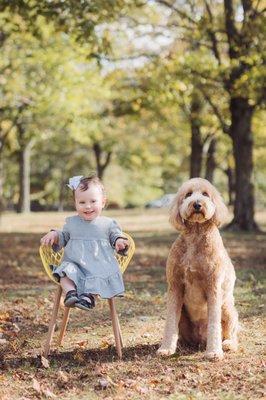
(131, 220)
(145, 220)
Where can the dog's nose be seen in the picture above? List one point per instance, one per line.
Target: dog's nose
(197, 206)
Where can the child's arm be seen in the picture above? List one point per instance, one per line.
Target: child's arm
(50, 238)
(56, 238)
(117, 239)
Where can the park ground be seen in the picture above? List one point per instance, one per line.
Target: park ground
(87, 366)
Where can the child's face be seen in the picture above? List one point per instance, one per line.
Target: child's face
(89, 203)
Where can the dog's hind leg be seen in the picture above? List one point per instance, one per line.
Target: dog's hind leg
(229, 326)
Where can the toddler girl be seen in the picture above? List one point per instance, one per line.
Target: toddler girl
(89, 266)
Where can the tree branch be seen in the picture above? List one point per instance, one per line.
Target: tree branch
(124, 58)
(5, 134)
(257, 6)
(224, 126)
(247, 6)
(3, 139)
(98, 155)
(212, 34)
(231, 31)
(206, 77)
(177, 10)
(107, 159)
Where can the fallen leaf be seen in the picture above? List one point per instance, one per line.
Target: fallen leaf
(142, 389)
(4, 316)
(103, 383)
(79, 356)
(16, 328)
(36, 385)
(154, 381)
(143, 318)
(146, 335)
(45, 362)
(63, 376)
(82, 343)
(104, 344)
(111, 381)
(87, 328)
(47, 392)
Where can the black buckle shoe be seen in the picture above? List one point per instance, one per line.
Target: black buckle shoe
(85, 302)
(71, 298)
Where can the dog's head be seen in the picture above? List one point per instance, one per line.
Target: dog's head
(197, 201)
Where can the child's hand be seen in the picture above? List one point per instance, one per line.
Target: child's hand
(121, 245)
(50, 238)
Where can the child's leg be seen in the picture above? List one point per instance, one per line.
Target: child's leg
(67, 284)
(69, 289)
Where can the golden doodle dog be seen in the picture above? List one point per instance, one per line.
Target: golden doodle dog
(200, 275)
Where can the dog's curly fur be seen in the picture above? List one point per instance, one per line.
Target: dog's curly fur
(200, 274)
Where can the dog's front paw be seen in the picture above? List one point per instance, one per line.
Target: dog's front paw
(214, 355)
(229, 345)
(165, 351)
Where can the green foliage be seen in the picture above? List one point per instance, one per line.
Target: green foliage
(71, 79)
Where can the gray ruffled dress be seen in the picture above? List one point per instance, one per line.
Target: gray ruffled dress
(89, 258)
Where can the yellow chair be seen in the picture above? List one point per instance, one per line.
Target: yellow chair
(49, 257)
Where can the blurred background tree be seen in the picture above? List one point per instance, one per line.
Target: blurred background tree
(145, 93)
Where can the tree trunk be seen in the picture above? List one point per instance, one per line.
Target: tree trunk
(1, 185)
(101, 164)
(196, 140)
(231, 184)
(196, 151)
(210, 162)
(3, 138)
(24, 178)
(240, 132)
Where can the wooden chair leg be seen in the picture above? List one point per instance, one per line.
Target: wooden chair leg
(116, 327)
(63, 325)
(58, 295)
(120, 333)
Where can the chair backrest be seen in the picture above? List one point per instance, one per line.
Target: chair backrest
(50, 257)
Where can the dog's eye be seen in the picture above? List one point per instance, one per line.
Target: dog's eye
(205, 194)
(188, 195)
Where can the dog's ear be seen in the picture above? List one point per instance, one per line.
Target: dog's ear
(175, 218)
(221, 211)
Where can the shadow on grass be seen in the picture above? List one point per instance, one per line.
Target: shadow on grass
(82, 357)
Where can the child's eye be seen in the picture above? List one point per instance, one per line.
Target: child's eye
(93, 201)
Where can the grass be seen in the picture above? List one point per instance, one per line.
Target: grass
(87, 366)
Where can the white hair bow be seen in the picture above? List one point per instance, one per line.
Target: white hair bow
(74, 182)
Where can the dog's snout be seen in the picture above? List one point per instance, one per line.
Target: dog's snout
(197, 206)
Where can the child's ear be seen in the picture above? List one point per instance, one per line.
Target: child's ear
(104, 202)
